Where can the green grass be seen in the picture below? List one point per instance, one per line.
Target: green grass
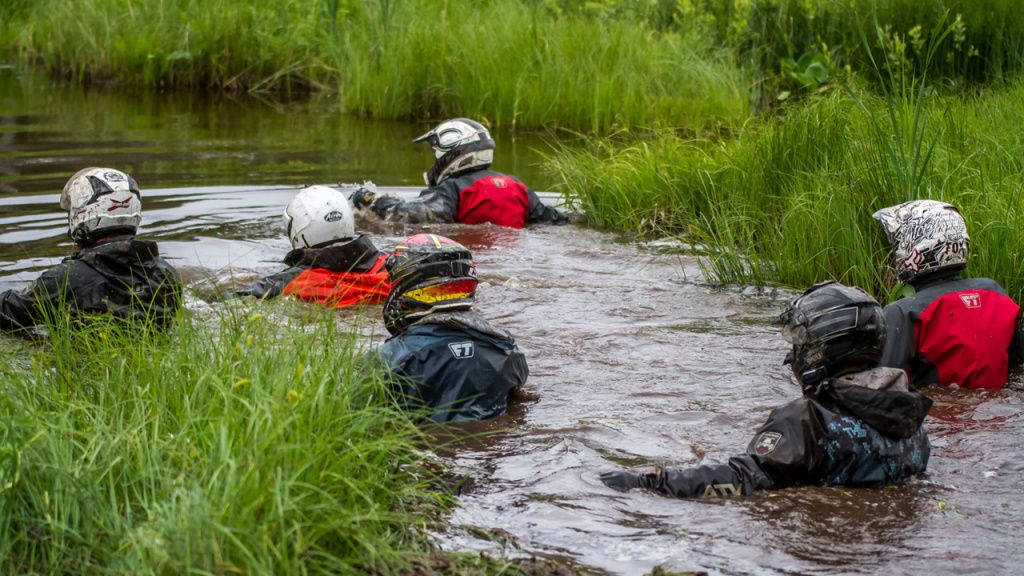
(789, 199)
(510, 62)
(238, 444)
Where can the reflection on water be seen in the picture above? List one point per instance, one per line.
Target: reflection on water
(633, 360)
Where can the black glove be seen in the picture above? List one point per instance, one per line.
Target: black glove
(620, 479)
(361, 197)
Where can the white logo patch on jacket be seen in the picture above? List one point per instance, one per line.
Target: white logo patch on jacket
(767, 442)
(461, 350)
(971, 300)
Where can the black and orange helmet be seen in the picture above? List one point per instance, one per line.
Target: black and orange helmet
(429, 273)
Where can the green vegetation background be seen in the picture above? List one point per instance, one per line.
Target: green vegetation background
(762, 132)
(765, 131)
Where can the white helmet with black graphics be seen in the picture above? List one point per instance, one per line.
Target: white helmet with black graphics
(318, 216)
(926, 236)
(101, 202)
(459, 144)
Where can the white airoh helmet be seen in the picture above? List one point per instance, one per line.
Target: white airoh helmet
(101, 201)
(926, 236)
(459, 144)
(318, 216)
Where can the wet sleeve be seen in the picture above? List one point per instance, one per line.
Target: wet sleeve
(783, 453)
(787, 447)
(20, 310)
(541, 212)
(899, 339)
(436, 204)
(740, 476)
(272, 286)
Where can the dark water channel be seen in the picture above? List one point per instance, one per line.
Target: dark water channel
(634, 361)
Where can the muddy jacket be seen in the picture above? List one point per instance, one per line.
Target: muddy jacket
(338, 275)
(457, 365)
(860, 429)
(473, 197)
(954, 331)
(125, 277)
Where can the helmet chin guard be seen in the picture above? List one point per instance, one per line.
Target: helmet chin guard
(101, 202)
(428, 273)
(319, 216)
(459, 144)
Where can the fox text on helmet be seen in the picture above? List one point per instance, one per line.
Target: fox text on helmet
(99, 202)
(926, 236)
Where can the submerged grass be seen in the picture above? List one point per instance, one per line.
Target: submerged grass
(789, 199)
(510, 62)
(249, 446)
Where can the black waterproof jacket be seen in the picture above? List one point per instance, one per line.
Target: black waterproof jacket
(124, 277)
(441, 203)
(457, 365)
(358, 255)
(861, 429)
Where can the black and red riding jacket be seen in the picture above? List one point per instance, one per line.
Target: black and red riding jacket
(473, 197)
(962, 331)
(338, 275)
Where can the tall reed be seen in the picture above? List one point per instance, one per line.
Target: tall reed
(510, 62)
(242, 444)
(789, 199)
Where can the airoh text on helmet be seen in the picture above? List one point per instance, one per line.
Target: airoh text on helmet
(459, 145)
(926, 236)
(101, 202)
(428, 273)
(318, 216)
(834, 329)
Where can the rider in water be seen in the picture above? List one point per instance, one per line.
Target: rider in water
(329, 264)
(111, 272)
(462, 187)
(952, 330)
(445, 357)
(857, 424)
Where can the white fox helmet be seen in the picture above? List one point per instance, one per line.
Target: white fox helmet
(459, 144)
(926, 236)
(101, 201)
(318, 216)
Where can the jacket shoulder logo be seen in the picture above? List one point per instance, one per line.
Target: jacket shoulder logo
(499, 182)
(766, 443)
(333, 216)
(971, 300)
(461, 350)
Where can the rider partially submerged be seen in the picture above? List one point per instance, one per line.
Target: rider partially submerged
(856, 424)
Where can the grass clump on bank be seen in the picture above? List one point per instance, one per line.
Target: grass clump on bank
(511, 62)
(789, 199)
(250, 446)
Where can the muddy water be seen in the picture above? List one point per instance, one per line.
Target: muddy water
(634, 360)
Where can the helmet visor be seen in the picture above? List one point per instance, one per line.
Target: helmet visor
(801, 329)
(444, 292)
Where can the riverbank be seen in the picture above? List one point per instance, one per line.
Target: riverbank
(789, 199)
(248, 440)
(508, 62)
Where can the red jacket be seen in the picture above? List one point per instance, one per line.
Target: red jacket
(476, 196)
(337, 275)
(955, 331)
(338, 289)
